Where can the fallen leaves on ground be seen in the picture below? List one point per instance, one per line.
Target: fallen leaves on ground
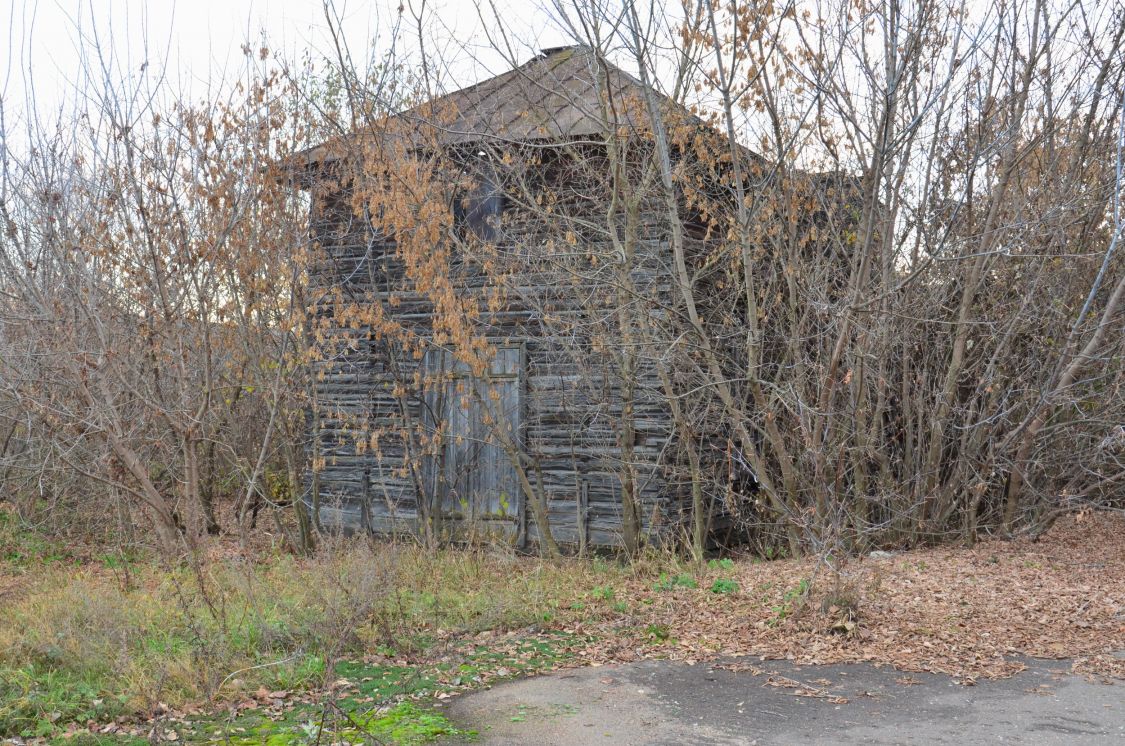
(969, 613)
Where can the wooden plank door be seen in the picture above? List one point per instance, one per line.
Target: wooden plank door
(474, 477)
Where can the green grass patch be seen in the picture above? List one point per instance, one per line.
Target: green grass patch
(35, 700)
(22, 547)
(724, 585)
(672, 582)
(98, 739)
(404, 724)
(386, 701)
(407, 723)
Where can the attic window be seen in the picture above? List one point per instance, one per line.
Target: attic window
(477, 210)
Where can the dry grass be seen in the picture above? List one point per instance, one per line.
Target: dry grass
(87, 638)
(81, 639)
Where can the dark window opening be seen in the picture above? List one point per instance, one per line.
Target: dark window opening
(477, 211)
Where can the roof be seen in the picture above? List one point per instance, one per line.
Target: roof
(554, 96)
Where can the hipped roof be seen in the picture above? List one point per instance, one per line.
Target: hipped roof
(560, 95)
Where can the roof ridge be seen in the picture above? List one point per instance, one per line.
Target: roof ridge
(543, 55)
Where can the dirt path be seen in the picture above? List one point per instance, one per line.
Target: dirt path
(662, 702)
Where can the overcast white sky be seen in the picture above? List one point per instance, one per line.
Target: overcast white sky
(198, 42)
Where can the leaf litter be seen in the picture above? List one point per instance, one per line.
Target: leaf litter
(969, 613)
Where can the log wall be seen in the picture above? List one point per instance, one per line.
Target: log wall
(370, 405)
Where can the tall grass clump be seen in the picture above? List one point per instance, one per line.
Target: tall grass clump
(85, 639)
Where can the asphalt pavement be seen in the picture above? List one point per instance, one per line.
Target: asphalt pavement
(746, 701)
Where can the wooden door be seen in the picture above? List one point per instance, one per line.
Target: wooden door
(477, 419)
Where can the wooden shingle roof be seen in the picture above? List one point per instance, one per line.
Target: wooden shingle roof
(554, 96)
(563, 94)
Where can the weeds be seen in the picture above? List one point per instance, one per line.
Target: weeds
(603, 592)
(724, 585)
(671, 582)
(790, 601)
(76, 644)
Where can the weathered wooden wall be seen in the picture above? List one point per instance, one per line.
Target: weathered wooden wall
(573, 393)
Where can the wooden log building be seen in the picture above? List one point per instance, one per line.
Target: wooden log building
(569, 410)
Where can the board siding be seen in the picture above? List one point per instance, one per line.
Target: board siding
(569, 404)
